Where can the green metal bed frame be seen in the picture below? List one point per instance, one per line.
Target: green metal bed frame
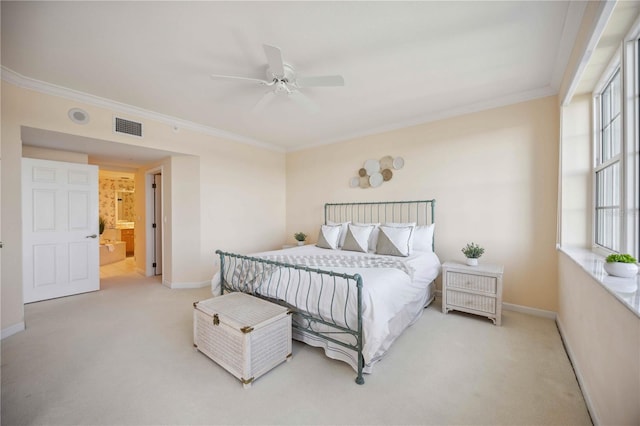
(257, 276)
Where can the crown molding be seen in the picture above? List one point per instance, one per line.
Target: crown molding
(596, 16)
(25, 82)
(570, 30)
(441, 115)
(19, 80)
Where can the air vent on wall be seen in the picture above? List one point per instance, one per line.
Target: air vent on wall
(133, 128)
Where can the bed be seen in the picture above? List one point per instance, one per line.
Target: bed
(367, 279)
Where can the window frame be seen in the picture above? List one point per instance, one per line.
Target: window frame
(626, 61)
(600, 164)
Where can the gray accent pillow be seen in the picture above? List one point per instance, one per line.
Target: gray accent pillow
(329, 236)
(357, 238)
(394, 241)
(343, 230)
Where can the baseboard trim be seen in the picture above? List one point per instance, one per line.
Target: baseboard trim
(576, 371)
(11, 330)
(529, 311)
(186, 285)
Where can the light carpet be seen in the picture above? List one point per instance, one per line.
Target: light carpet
(124, 355)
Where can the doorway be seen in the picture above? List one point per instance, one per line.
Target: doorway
(108, 155)
(117, 210)
(154, 220)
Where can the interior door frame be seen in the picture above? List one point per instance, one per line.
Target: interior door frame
(149, 218)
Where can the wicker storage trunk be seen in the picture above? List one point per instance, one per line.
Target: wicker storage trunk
(245, 335)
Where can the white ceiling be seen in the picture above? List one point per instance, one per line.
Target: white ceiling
(403, 63)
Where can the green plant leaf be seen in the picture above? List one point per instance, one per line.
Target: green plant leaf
(621, 258)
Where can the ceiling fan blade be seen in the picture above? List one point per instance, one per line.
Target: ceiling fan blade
(274, 58)
(320, 81)
(303, 100)
(235, 77)
(263, 102)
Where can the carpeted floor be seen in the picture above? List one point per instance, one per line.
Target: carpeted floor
(124, 355)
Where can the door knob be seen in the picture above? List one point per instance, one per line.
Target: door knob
(92, 236)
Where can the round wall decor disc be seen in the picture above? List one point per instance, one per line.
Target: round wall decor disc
(362, 172)
(387, 175)
(364, 182)
(376, 179)
(398, 163)
(354, 182)
(372, 166)
(386, 162)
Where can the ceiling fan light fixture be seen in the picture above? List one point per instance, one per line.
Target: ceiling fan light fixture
(282, 78)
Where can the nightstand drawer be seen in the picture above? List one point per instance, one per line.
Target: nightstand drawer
(472, 282)
(476, 302)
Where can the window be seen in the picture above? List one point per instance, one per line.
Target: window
(616, 160)
(608, 180)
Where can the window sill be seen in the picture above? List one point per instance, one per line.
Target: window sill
(626, 290)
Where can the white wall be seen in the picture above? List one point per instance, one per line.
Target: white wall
(602, 337)
(601, 334)
(494, 175)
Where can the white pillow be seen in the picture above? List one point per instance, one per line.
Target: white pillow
(394, 240)
(373, 238)
(399, 225)
(343, 230)
(357, 237)
(329, 236)
(403, 225)
(423, 238)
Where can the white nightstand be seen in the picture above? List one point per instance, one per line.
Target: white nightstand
(473, 289)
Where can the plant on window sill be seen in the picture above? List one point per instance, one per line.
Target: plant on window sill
(621, 265)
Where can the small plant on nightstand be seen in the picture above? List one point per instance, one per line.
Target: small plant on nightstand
(300, 237)
(621, 265)
(472, 252)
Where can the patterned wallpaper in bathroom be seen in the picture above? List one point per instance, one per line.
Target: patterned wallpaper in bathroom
(107, 193)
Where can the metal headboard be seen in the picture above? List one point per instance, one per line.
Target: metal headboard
(420, 211)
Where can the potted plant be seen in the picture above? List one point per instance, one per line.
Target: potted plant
(621, 265)
(300, 237)
(472, 252)
(101, 224)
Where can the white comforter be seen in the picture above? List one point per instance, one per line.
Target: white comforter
(392, 299)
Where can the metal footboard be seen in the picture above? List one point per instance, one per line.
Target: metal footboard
(302, 289)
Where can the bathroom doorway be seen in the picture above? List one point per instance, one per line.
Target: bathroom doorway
(117, 194)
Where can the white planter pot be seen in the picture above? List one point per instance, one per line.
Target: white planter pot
(472, 262)
(300, 243)
(619, 269)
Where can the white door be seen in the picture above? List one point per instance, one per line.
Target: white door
(59, 229)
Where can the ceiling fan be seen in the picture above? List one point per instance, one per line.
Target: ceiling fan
(282, 78)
